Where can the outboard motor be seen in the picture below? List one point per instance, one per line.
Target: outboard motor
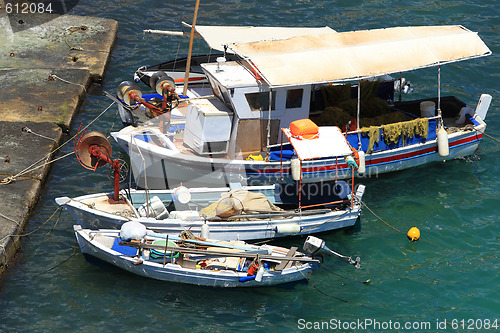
(316, 246)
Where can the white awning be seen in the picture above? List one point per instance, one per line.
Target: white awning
(329, 143)
(218, 36)
(352, 55)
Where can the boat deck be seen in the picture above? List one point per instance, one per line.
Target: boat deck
(106, 204)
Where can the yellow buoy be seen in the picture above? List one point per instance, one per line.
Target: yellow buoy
(413, 234)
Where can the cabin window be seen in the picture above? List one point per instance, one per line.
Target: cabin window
(294, 98)
(260, 101)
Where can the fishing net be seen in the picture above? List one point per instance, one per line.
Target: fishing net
(240, 201)
(373, 133)
(405, 130)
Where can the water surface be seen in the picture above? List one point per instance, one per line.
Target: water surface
(452, 273)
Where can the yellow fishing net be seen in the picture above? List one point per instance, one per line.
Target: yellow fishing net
(408, 129)
(373, 133)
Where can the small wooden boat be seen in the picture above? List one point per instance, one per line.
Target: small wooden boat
(194, 261)
(246, 213)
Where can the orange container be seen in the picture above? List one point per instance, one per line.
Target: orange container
(305, 128)
(252, 270)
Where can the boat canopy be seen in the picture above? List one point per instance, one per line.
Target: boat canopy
(217, 37)
(328, 143)
(345, 56)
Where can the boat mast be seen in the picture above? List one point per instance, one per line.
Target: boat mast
(188, 65)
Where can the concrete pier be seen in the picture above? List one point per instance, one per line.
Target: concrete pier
(47, 62)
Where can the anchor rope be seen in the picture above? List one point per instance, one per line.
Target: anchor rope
(378, 217)
(75, 252)
(320, 291)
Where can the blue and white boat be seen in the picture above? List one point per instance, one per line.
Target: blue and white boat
(233, 125)
(203, 263)
(233, 213)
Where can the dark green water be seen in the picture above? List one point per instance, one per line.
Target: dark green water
(451, 274)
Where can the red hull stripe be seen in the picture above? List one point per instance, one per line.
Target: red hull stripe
(191, 79)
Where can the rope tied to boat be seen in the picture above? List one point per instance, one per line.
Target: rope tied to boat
(28, 130)
(32, 167)
(491, 137)
(378, 217)
(54, 76)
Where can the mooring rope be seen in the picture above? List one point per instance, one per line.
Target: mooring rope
(371, 211)
(378, 217)
(54, 76)
(28, 130)
(491, 137)
(26, 234)
(32, 167)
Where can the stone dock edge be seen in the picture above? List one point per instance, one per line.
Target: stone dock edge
(47, 63)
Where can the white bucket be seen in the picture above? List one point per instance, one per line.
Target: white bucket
(153, 208)
(181, 194)
(427, 109)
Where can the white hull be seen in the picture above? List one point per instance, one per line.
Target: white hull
(252, 229)
(158, 168)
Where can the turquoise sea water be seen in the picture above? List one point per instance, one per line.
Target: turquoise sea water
(451, 274)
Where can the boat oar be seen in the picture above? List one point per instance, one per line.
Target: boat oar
(194, 241)
(270, 214)
(314, 245)
(217, 254)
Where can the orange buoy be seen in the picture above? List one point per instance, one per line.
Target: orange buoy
(413, 234)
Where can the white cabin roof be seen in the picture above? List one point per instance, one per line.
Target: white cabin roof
(330, 57)
(330, 142)
(230, 74)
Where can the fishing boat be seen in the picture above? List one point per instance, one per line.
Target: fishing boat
(247, 213)
(233, 126)
(197, 261)
(228, 213)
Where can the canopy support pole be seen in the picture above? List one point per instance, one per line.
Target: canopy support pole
(281, 158)
(400, 85)
(357, 116)
(269, 123)
(188, 65)
(439, 95)
(300, 187)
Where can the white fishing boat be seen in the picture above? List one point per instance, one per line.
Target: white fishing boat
(246, 213)
(233, 126)
(203, 263)
(228, 213)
